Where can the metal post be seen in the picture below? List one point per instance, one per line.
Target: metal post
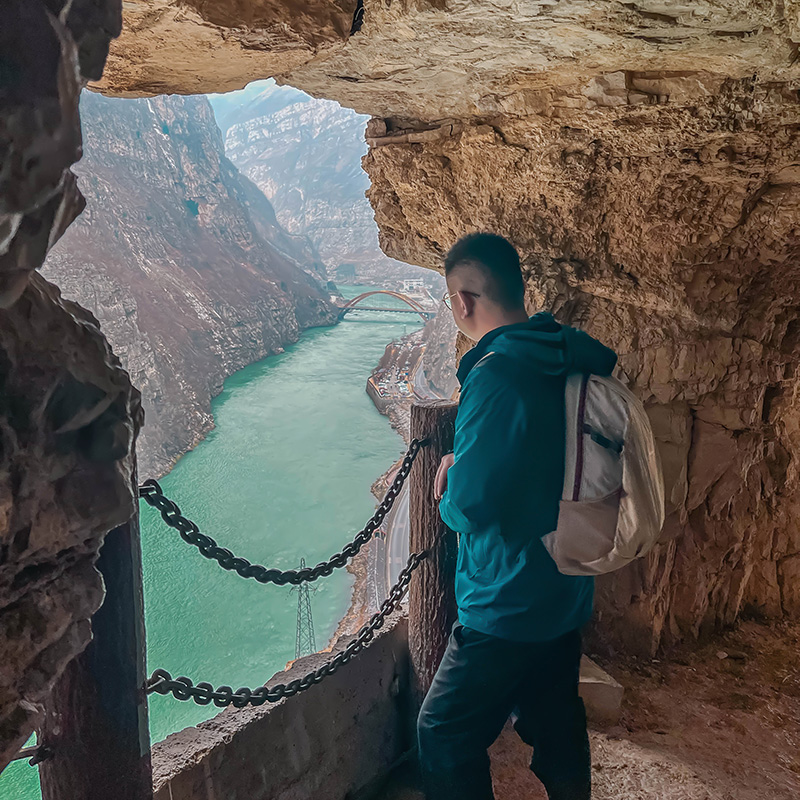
(96, 719)
(431, 595)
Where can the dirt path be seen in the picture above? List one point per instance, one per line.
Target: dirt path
(700, 727)
(727, 716)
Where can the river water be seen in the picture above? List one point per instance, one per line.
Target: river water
(285, 475)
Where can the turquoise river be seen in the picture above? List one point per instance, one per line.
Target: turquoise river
(285, 475)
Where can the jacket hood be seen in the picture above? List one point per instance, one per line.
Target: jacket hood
(543, 345)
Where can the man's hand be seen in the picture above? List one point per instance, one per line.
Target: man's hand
(440, 482)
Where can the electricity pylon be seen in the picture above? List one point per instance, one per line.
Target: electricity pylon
(305, 643)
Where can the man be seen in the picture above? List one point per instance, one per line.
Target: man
(516, 648)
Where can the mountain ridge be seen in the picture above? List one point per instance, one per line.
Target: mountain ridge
(182, 261)
(305, 155)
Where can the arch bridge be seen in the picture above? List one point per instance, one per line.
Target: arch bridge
(413, 306)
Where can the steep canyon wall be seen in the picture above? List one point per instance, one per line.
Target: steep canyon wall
(182, 260)
(305, 155)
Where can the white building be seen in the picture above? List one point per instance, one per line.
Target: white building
(413, 285)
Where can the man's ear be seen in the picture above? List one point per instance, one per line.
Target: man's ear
(467, 302)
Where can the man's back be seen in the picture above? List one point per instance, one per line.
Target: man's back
(504, 487)
(517, 645)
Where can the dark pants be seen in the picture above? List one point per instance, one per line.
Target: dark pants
(481, 681)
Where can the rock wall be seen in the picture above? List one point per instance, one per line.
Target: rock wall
(305, 155)
(182, 260)
(40, 138)
(235, 42)
(68, 413)
(420, 365)
(670, 232)
(339, 740)
(68, 418)
(439, 361)
(436, 60)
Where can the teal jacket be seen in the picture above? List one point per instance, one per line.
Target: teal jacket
(504, 488)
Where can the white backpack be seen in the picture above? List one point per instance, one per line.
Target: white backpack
(612, 506)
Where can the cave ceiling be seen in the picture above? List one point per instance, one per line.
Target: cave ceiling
(463, 59)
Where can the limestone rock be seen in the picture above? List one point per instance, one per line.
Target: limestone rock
(68, 414)
(602, 695)
(789, 581)
(430, 60)
(763, 593)
(642, 225)
(178, 44)
(460, 60)
(305, 155)
(183, 262)
(65, 44)
(438, 363)
(68, 419)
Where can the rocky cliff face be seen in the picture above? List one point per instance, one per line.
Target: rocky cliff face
(305, 156)
(182, 261)
(669, 231)
(235, 42)
(68, 420)
(68, 413)
(641, 154)
(439, 361)
(419, 365)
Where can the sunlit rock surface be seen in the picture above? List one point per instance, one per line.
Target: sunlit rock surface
(431, 59)
(671, 233)
(182, 260)
(199, 46)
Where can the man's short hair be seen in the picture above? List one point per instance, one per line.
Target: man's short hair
(498, 261)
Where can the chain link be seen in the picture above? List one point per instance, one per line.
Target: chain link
(161, 682)
(151, 493)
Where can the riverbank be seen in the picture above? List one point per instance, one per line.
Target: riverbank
(295, 450)
(420, 365)
(285, 474)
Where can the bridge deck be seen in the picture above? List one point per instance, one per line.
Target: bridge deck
(384, 308)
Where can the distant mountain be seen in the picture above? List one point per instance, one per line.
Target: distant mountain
(305, 156)
(257, 99)
(182, 260)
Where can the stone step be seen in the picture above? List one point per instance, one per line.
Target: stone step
(602, 695)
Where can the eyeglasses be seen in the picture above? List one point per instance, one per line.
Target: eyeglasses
(447, 301)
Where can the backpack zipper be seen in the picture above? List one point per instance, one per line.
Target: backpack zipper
(576, 489)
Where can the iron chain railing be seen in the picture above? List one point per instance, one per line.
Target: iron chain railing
(161, 682)
(151, 492)
(35, 754)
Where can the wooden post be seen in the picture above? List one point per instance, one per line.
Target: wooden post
(96, 719)
(432, 610)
